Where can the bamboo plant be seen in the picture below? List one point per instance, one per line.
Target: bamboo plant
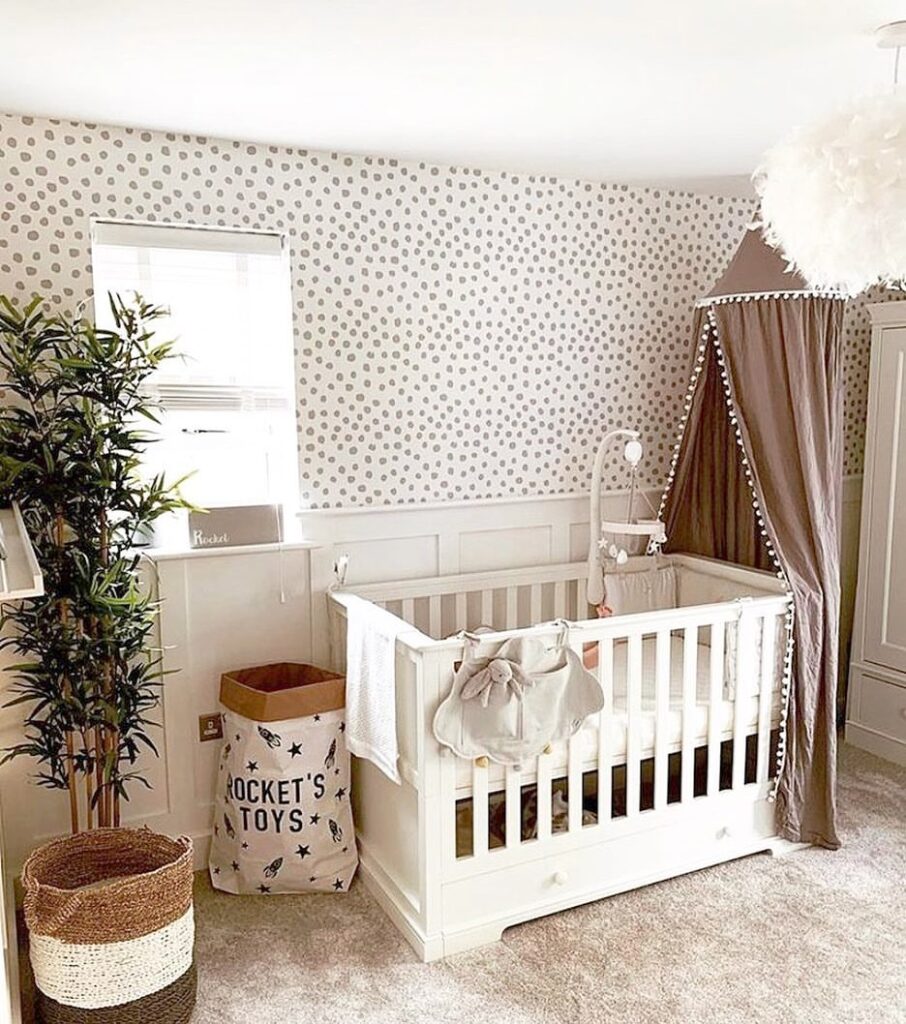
(71, 444)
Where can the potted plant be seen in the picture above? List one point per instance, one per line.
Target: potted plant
(86, 671)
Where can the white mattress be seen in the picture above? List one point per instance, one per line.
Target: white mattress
(587, 738)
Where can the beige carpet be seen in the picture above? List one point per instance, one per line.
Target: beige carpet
(815, 937)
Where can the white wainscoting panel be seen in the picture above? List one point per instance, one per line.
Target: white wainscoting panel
(470, 536)
(220, 610)
(223, 610)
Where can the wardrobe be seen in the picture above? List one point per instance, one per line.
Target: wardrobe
(876, 711)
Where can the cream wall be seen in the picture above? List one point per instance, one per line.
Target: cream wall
(460, 336)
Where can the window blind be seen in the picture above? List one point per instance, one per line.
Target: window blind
(228, 397)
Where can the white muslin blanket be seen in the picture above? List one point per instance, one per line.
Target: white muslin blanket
(371, 636)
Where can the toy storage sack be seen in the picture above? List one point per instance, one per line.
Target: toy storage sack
(282, 811)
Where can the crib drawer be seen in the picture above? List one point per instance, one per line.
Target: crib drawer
(716, 830)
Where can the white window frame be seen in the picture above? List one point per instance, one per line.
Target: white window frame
(172, 390)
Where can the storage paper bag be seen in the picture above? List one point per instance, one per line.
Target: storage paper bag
(283, 818)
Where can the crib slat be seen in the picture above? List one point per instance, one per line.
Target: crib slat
(605, 758)
(690, 677)
(661, 711)
(543, 794)
(633, 722)
(513, 807)
(560, 611)
(479, 810)
(574, 766)
(409, 610)
(581, 598)
(575, 785)
(766, 695)
(512, 607)
(487, 608)
(449, 819)
(745, 672)
(462, 615)
(715, 705)
(535, 603)
(434, 627)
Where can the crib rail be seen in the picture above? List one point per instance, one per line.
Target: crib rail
(670, 732)
(525, 599)
(615, 775)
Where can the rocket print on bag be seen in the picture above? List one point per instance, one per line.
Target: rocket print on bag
(273, 869)
(270, 738)
(273, 831)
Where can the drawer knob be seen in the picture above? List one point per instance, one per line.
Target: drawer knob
(560, 878)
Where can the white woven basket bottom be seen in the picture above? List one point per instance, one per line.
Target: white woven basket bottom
(111, 973)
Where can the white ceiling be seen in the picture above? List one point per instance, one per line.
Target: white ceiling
(666, 91)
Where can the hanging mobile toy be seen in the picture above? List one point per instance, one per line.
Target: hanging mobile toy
(616, 540)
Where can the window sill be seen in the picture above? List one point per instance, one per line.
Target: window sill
(175, 553)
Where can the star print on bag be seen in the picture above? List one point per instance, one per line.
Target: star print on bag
(283, 819)
(270, 738)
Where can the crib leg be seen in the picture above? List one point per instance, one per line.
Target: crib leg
(472, 938)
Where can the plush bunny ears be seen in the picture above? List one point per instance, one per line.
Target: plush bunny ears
(504, 675)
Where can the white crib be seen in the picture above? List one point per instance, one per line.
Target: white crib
(673, 775)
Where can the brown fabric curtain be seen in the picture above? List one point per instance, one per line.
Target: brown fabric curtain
(714, 516)
(784, 363)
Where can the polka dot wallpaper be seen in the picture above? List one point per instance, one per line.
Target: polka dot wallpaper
(459, 333)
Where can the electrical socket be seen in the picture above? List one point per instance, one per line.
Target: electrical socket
(210, 727)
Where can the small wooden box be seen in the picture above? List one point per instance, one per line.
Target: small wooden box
(236, 525)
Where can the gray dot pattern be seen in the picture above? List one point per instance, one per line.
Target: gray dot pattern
(459, 334)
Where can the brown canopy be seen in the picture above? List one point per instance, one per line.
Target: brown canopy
(772, 348)
(756, 268)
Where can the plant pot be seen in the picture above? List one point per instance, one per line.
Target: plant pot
(111, 929)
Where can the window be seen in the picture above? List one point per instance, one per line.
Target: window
(228, 399)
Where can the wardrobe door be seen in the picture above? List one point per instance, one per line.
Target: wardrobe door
(885, 593)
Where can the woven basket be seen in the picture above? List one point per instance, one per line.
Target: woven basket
(111, 930)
